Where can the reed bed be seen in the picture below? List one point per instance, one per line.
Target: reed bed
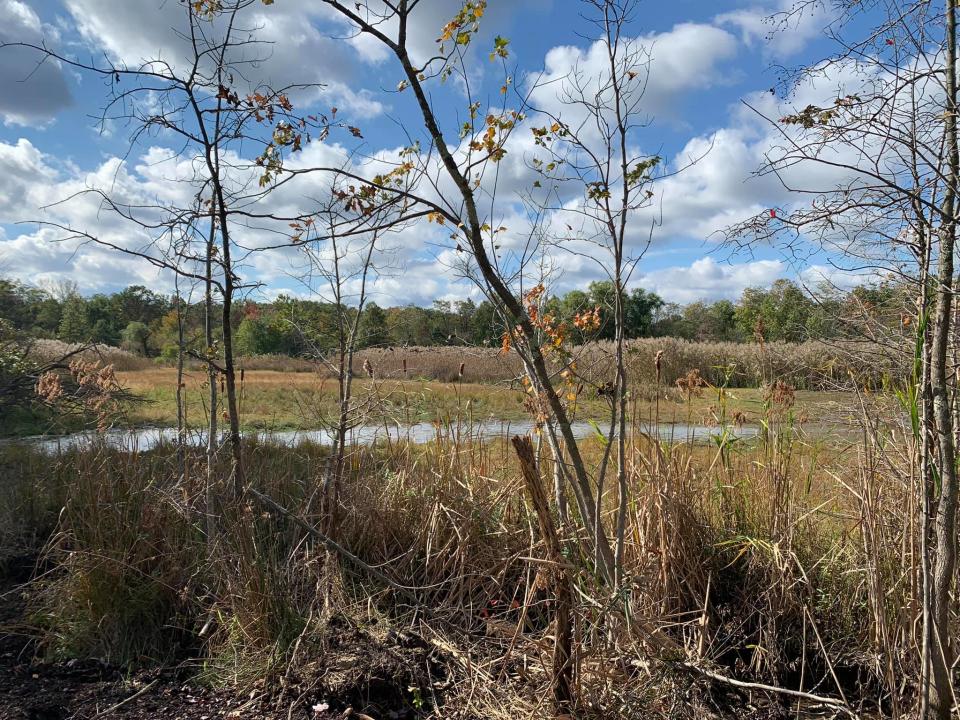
(47, 350)
(813, 365)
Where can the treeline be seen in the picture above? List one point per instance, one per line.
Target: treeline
(148, 323)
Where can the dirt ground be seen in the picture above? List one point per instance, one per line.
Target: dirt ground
(359, 677)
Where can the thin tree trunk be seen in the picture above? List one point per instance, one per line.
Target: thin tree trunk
(510, 302)
(562, 680)
(229, 369)
(927, 430)
(181, 408)
(945, 530)
(621, 391)
(212, 425)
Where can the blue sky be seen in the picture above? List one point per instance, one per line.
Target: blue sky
(707, 57)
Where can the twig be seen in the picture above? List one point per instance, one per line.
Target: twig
(120, 704)
(833, 702)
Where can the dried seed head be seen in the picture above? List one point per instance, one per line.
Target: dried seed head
(49, 387)
(691, 384)
(781, 394)
(759, 331)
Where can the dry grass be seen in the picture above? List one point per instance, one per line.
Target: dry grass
(811, 365)
(276, 400)
(771, 561)
(46, 350)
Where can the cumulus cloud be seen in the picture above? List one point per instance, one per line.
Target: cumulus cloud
(669, 64)
(32, 90)
(290, 45)
(716, 188)
(33, 186)
(780, 30)
(706, 279)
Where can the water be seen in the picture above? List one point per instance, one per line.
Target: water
(141, 439)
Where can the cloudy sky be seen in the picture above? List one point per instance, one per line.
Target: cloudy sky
(707, 58)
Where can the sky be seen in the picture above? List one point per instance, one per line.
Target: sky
(709, 59)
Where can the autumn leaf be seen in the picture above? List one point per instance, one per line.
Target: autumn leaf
(499, 48)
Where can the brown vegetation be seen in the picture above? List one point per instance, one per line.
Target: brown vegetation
(814, 365)
(754, 561)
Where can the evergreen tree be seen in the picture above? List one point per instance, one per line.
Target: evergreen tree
(75, 320)
(373, 329)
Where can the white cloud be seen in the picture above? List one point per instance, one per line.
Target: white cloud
(706, 279)
(685, 58)
(290, 45)
(33, 187)
(32, 90)
(781, 30)
(714, 192)
(838, 278)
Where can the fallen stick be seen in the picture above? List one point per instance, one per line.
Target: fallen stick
(833, 702)
(120, 704)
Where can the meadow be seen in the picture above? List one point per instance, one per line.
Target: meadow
(284, 400)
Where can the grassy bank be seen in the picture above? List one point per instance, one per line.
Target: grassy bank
(277, 400)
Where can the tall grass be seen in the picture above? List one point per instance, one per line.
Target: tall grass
(779, 561)
(813, 365)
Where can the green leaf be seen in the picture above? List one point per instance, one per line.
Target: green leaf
(596, 429)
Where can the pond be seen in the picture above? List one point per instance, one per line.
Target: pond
(141, 439)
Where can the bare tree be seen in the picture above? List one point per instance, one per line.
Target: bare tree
(343, 252)
(590, 145)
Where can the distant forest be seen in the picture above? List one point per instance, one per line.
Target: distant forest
(145, 322)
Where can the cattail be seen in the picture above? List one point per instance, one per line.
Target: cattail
(404, 366)
(657, 364)
(368, 368)
(759, 332)
(460, 374)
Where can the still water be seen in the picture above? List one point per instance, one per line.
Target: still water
(147, 438)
